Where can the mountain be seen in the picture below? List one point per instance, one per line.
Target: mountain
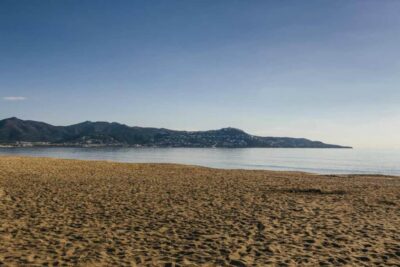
(14, 131)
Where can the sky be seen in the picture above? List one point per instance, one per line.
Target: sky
(323, 70)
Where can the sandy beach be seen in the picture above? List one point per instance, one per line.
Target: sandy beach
(89, 213)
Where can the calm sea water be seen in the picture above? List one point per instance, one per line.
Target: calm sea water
(333, 161)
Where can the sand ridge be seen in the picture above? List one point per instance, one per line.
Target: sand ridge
(90, 213)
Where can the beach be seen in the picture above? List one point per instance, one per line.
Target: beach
(95, 213)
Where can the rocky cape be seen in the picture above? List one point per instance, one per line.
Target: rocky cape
(17, 132)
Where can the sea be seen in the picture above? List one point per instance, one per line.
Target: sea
(320, 161)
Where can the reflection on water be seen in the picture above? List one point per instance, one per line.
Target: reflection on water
(309, 160)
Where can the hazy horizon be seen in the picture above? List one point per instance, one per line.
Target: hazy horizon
(322, 70)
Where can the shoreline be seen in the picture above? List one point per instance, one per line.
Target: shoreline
(292, 169)
(151, 146)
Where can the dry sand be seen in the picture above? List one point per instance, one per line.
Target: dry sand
(79, 213)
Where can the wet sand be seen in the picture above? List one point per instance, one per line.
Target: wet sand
(85, 213)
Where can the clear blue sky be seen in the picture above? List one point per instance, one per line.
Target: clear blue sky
(325, 70)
